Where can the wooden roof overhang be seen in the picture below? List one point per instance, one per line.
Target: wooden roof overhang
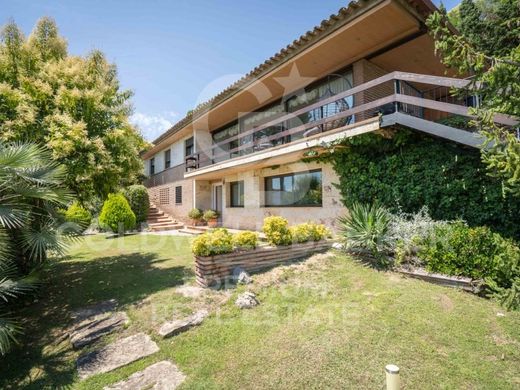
(390, 33)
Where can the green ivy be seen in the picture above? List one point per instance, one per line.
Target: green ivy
(408, 170)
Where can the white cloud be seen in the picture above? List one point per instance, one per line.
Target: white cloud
(152, 126)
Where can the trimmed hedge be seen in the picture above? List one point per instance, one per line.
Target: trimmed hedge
(139, 201)
(116, 213)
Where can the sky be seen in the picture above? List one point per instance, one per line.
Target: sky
(176, 54)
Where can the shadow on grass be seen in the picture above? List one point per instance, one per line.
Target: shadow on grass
(45, 358)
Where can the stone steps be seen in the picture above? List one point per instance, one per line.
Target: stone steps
(159, 221)
(115, 355)
(162, 375)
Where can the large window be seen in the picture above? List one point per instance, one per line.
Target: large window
(188, 147)
(167, 158)
(239, 138)
(152, 166)
(295, 189)
(236, 194)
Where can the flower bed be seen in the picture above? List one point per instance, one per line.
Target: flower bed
(210, 270)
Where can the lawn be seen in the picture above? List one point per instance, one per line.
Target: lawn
(326, 323)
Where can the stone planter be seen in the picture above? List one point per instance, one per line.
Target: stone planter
(212, 270)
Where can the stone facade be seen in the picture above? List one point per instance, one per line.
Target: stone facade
(163, 197)
(251, 216)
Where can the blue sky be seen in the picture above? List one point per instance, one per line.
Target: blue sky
(175, 54)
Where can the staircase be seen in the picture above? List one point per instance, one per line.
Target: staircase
(159, 221)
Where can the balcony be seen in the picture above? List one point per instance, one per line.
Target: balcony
(422, 102)
(166, 176)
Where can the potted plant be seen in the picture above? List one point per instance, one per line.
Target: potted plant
(196, 216)
(211, 217)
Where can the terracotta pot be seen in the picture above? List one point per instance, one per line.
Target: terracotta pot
(213, 222)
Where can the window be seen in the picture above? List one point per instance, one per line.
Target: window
(167, 159)
(236, 194)
(295, 189)
(178, 195)
(188, 147)
(152, 166)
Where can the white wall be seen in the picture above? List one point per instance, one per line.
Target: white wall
(176, 157)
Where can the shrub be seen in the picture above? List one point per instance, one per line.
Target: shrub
(301, 233)
(209, 215)
(139, 201)
(407, 230)
(309, 231)
(319, 231)
(195, 214)
(245, 240)
(78, 215)
(366, 228)
(276, 230)
(478, 253)
(214, 242)
(457, 249)
(116, 213)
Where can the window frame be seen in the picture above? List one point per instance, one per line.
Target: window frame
(292, 175)
(178, 194)
(167, 158)
(189, 143)
(239, 183)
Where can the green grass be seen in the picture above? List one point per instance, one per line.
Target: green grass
(326, 323)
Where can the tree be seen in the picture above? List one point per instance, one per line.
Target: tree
(489, 50)
(72, 104)
(31, 190)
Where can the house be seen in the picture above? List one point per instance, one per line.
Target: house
(370, 67)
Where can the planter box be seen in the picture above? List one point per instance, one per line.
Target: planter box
(214, 269)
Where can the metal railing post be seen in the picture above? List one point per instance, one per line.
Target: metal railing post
(397, 90)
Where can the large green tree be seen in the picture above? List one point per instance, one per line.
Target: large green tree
(488, 49)
(72, 104)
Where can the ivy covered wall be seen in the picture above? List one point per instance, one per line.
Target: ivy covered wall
(409, 170)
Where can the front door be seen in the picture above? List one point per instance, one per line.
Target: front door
(217, 201)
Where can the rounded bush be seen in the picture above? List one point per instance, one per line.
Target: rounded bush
(195, 214)
(116, 214)
(214, 242)
(209, 215)
(245, 240)
(139, 201)
(276, 230)
(77, 214)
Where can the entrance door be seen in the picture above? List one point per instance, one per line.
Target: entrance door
(217, 200)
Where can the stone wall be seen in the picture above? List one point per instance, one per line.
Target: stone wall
(163, 197)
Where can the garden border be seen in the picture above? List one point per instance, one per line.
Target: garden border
(210, 270)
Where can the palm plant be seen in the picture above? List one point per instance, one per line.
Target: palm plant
(31, 191)
(366, 228)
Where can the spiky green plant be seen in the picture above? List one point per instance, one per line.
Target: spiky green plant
(365, 227)
(31, 190)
